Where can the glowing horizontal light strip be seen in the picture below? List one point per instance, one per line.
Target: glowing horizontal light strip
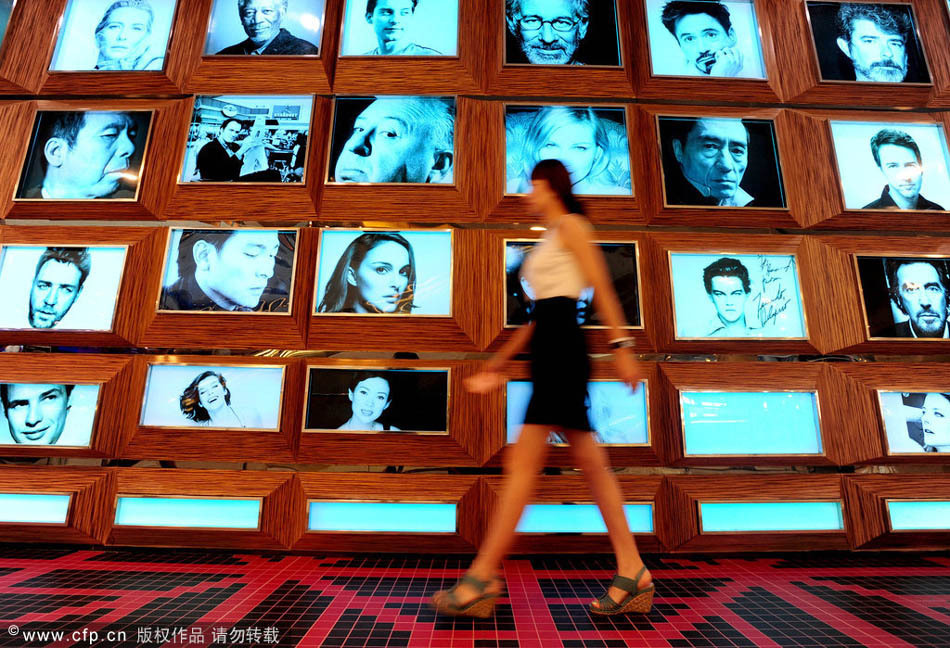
(33, 509)
(188, 512)
(919, 515)
(404, 517)
(581, 518)
(771, 516)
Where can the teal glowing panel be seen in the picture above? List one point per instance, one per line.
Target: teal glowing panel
(750, 423)
(401, 517)
(188, 512)
(581, 518)
(919, 516)
(33, 509)
(771, 516)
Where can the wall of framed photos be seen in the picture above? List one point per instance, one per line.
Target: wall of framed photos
(225, 217)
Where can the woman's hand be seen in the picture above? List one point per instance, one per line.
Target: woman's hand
(628, 368)
(484, 381)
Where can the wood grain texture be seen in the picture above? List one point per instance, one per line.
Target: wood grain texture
(934, 25)
(28, 45)
(462, 331)
(16, 115)
(682, 493)
(461, 490)
(636, 489)
(467, 444)
(866, 509)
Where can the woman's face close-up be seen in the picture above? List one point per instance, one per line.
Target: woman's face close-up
(211, 394)
(935, 420)
(382, 277)
(123, 33)
(368, 400)
(575, 146)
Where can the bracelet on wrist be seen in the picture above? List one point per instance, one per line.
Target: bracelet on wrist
(622, 343)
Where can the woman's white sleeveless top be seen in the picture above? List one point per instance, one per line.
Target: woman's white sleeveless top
(552, 270)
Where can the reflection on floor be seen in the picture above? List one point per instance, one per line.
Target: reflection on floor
(157, 597)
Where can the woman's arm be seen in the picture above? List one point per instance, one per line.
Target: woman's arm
(511, 348)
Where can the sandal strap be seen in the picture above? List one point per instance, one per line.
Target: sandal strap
(628, 585)
(475, 582)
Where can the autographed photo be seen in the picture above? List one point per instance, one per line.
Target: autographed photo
(61, 288)
(265, 27)
(705, 38)
(118, 35)
(561, 32)
(916, 422)
(736, 296)
(590, 141)
(617, 413)
(223, 397)
(905, 297)
(85, 155)
(720, 161)
(867, 42)
(621, 263)
(258, 139)
(393, 140)
(892, 165)
(379, 272)
(47, 414)
(412, 401)
(400, 28)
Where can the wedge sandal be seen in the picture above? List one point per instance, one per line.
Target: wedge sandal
(481, 607)
(638, 600)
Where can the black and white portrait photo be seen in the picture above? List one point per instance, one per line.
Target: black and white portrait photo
(6, 8)
(720, 161)
(248, 139)
(736, 296)
(118, 35)
(867, 42)
(265, 28)
(916, 422)
(84, 155)
(561, 32)
(590, 141)
(905, 297)
(892, 165)
(705, 38)
(385, 272)
(390, 139)
(400, 28)
(229, 271)
(59, 287)
(377, 400)
(222, 397)
(47, 414)
(624, 273)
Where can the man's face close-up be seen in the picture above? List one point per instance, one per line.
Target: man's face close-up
(700, 37)
(548, 31)
(230, 132)
(729, 298)
(94, 166)
(261, 19)
(54, 291)
(923, 297)
(391, 20)
(124, 34)
(876, 55)
(238, 273)
(385, 146)
(36, 413)
(715, 156)
(903, 171)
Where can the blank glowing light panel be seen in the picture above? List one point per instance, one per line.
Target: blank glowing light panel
(33, 509)
(770, 516)
(750, 423)
(402, 517)
(919, 515)
(581, 518)
(188, 512)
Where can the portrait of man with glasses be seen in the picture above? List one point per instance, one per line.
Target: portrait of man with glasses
(561, 32)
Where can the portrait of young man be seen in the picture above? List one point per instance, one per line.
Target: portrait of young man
(393, 140)
(720, 161)
(867, 42)
(85, 155)
(705, 38)
(39, 414)
(905, 297)
(236, 271)
(561, 32)
(898, 157)
(265, 28)
(400, 28)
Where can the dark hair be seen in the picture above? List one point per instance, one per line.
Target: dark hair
(892, 265)
(559, 180)
(78, 256)
(892, 22)
(895, 137)
(340, 297)
(371, 6)
(61, 124)
(726, 267)
(360, 376)
(231, 119)
(675, 10)
(5, 396)
(186, 248)
(190, 403)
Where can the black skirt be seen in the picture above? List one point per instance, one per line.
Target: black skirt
(560, 367)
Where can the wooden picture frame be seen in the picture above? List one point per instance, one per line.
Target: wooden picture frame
(27, 45)
(867, 498)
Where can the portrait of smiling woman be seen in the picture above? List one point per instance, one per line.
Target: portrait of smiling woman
(369, 396)
(207, 401)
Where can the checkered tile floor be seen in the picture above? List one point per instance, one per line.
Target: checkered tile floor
(156, 597)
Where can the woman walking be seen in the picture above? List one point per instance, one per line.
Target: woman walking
(558, 269)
